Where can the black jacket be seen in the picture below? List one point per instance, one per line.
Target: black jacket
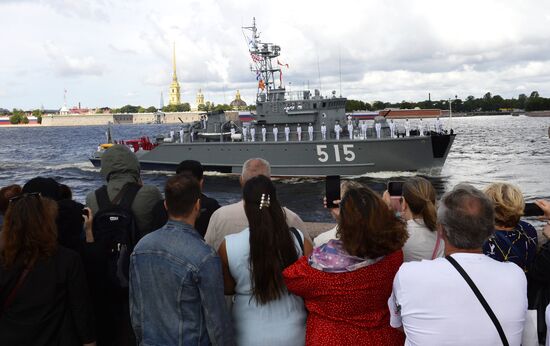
(52, 307)
(208, 207)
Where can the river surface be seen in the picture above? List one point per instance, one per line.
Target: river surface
(486, 149)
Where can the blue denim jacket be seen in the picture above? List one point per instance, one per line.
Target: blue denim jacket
(176, 290)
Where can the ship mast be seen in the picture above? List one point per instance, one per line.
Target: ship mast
(262, 54)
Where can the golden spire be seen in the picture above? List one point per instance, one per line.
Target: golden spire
(175, 86)
(174, 76)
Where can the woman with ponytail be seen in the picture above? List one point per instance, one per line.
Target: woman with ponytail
(264, 312)
(418, 209)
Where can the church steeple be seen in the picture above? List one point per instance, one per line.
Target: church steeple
(174, 76)
(175, 86)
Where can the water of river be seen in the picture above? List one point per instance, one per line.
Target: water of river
(486, 149)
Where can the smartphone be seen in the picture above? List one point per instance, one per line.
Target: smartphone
(531, 209)
(332, 190)
(395, 188)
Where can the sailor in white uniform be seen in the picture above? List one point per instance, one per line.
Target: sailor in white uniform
(378, 128)
(299, 132)
(324, 131)
(392, 129)
(407, 128)
(253, 133)
(192, 135)
(350, 129)
(275, 133)
(421, 127)
(364, 129)
(232, 132)
(172, 136)
(245, 133)
(287, 133)
(181, 135)
(337, 130)
(438, 126)
(310, 131)
(264, 133)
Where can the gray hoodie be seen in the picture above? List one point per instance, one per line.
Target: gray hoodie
(120, 166)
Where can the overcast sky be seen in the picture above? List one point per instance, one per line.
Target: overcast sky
(117, 52)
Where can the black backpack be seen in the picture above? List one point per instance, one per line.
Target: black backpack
(115, 232)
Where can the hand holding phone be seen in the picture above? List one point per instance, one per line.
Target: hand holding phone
(531, 209)
(395, 190)
(332, 190)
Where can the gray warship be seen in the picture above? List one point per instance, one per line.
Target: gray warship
(314, 136)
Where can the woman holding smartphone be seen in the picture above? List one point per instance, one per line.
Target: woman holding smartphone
(346, 283)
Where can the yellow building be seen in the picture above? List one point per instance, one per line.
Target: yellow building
(175, 98)
(199, 100)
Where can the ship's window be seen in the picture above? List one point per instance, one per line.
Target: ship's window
(324, 104)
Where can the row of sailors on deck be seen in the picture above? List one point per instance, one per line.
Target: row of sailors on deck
(249, 132)
(353, 132)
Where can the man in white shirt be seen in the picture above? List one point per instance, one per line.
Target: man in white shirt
(392, 129)
(232, 219)
(434, 304)
(264, 133)
(287, 133)
(407, 128)
(299, 132)
(324, 131)
(378, 128)
(364, 129)
(253, 133)
(275, 133)
(245, 133)
(337, 130)
(350, 129)
(310, 131)
(421, 128)
(232, 131)
(181, 135)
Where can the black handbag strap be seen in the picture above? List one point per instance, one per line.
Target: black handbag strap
(15, 289)
(481, 299)
(298, 237)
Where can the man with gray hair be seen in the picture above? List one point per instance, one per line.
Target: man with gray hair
(232, 219)
(433, 302)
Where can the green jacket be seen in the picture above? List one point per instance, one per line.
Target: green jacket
(120, 166)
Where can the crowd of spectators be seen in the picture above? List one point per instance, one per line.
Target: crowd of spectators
(467, 269)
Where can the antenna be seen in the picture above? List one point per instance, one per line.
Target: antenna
(340, 69)
(319, 75)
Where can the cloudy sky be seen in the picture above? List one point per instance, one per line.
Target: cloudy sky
(117, 52)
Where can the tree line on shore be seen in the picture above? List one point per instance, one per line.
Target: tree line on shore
(487, 103)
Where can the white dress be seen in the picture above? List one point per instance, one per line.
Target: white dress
(280, 322)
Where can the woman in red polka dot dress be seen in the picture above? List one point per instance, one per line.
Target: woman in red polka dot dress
(346, 283)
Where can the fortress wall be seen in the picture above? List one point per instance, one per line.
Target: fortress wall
(76, 120)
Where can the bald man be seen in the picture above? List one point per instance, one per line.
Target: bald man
(232, 219)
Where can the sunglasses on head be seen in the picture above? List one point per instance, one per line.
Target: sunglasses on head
(24, 195)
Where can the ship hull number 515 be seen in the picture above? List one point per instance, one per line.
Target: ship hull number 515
(344, 151)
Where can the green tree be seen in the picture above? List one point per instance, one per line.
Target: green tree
(38, 114)
(129, 109)
(151, 109)
(377, 105)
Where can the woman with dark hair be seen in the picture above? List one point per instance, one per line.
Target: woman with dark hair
(346, 283)
(43, 292)
(418, 209)
(5, 194)
(264, 312)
